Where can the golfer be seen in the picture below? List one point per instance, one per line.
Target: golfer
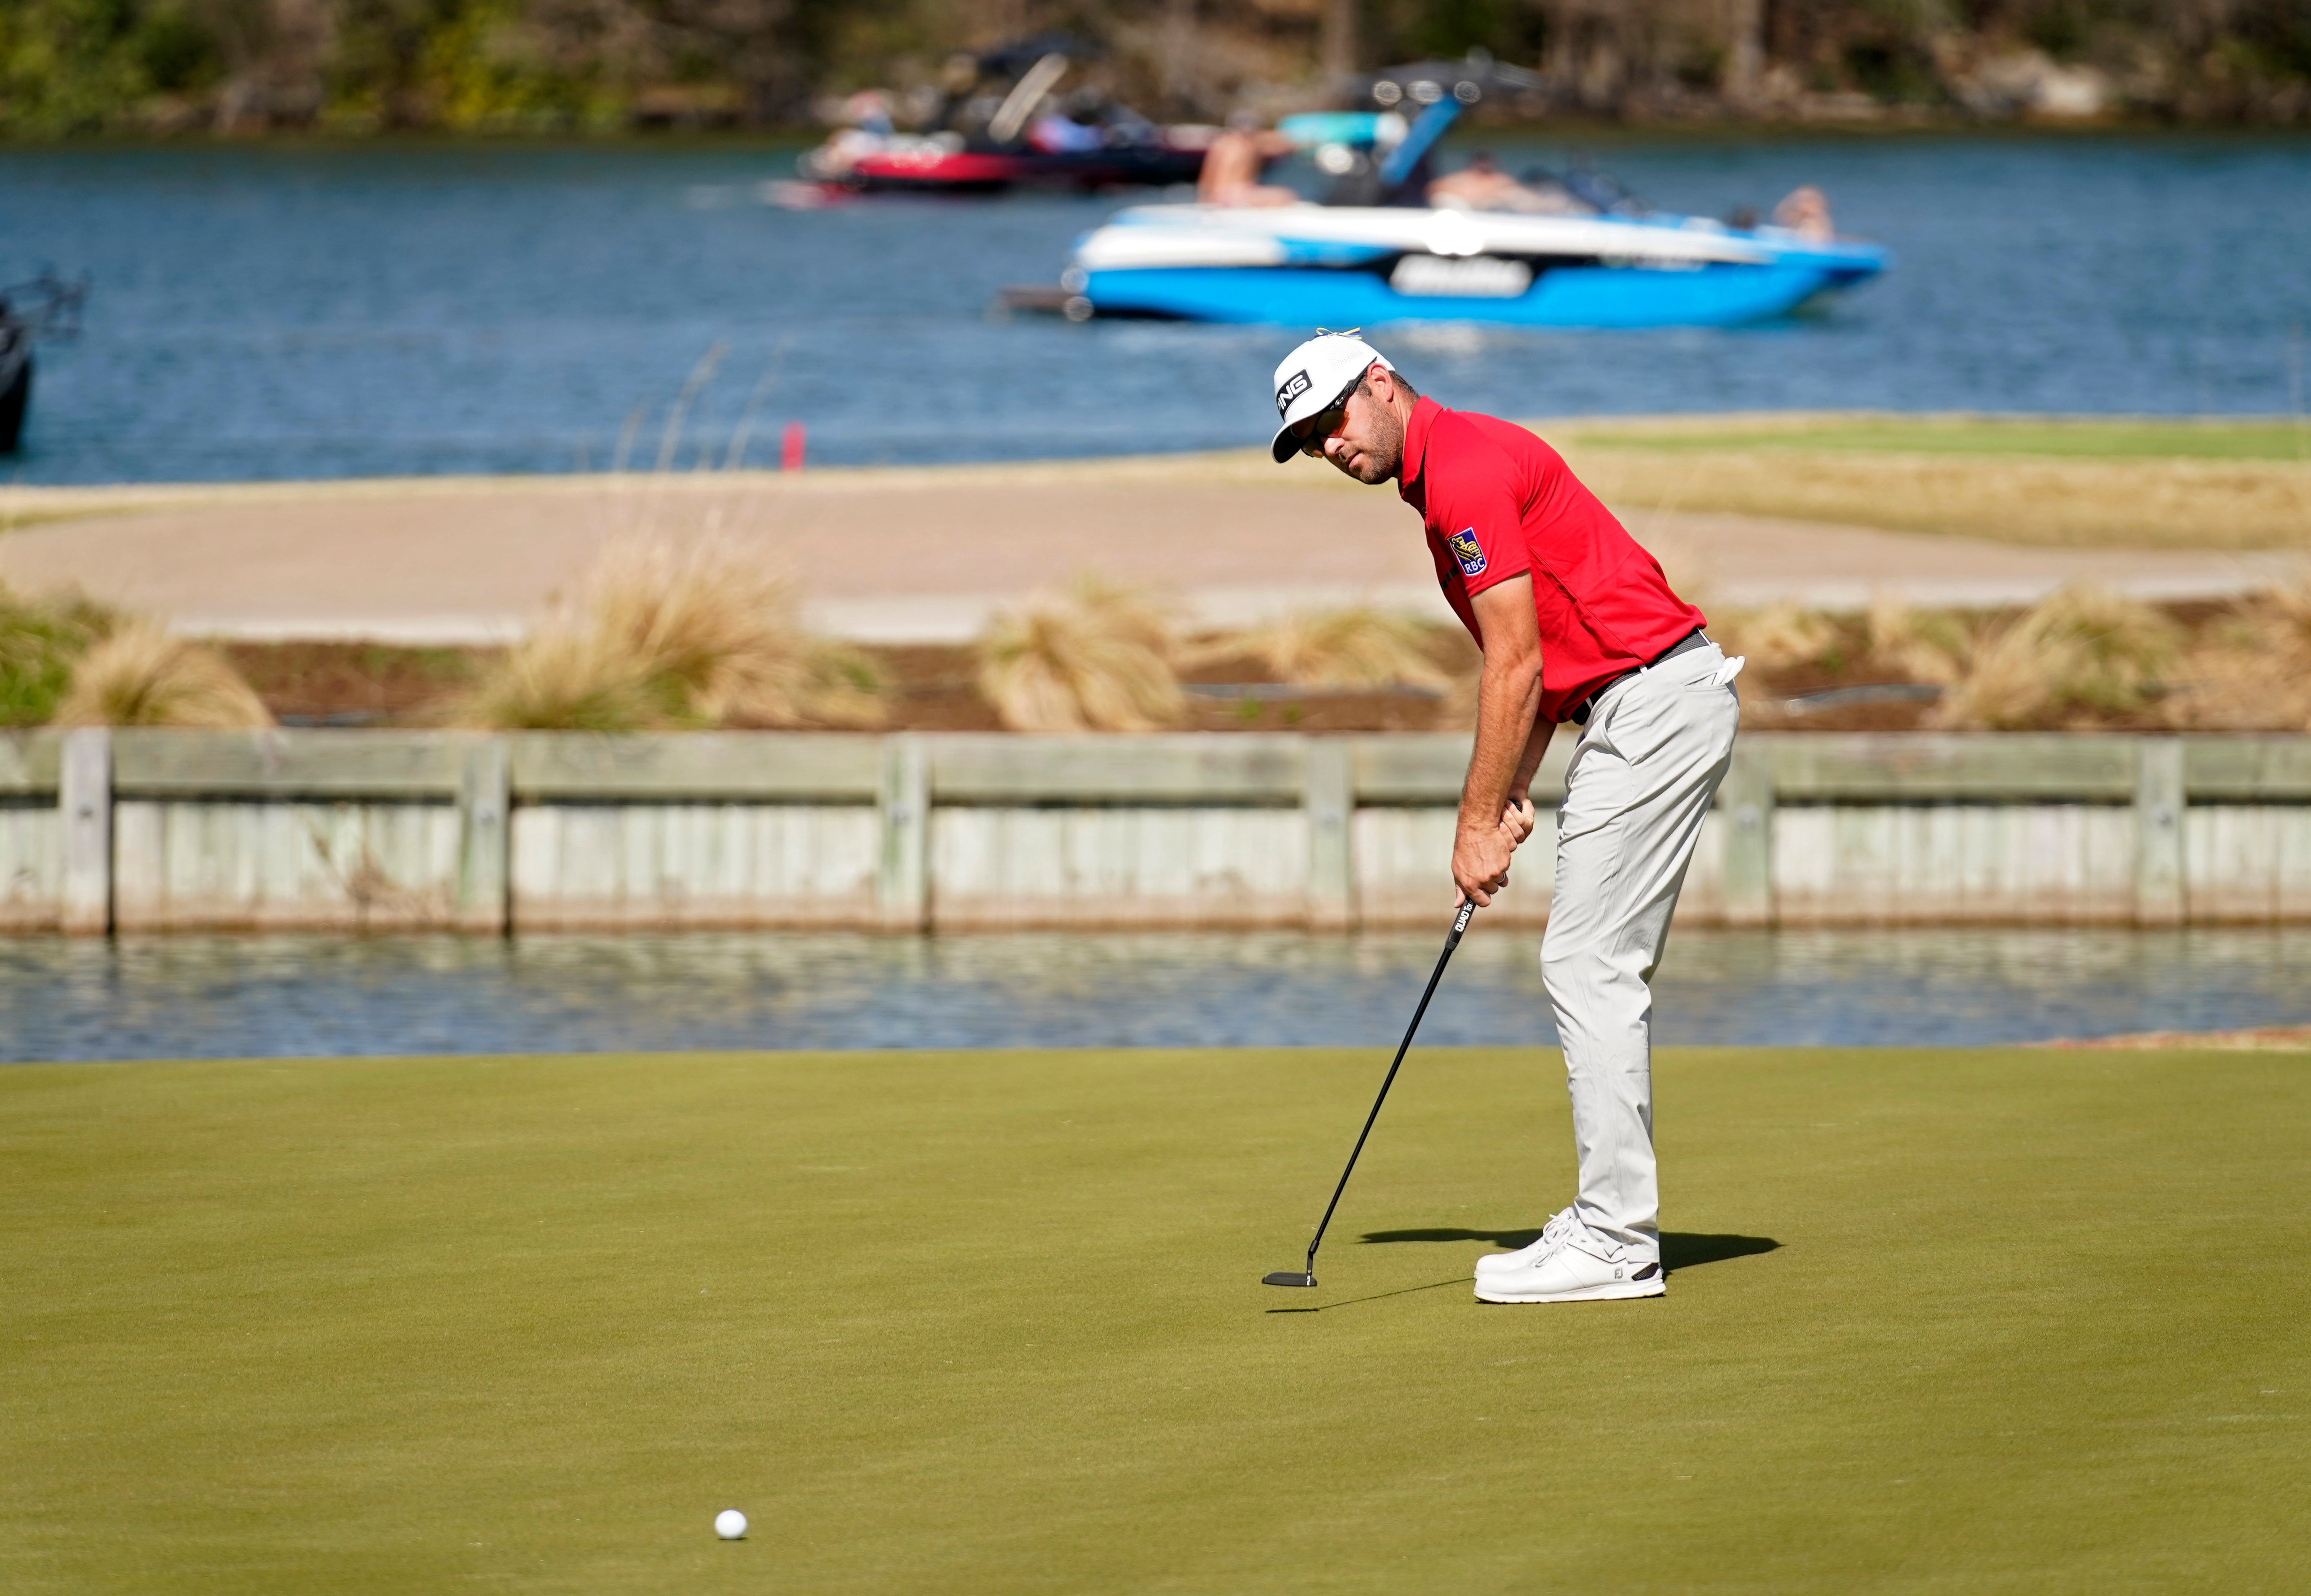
(1577, 623)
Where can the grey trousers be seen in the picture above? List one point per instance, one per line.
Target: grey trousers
(1641, 781)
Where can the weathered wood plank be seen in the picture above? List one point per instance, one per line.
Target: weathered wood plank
(2233, 770)
(1747, 799)
(29, 762)
(2248, 863)
(181, 865)
(738, 765)
(84, 805)
(1000, 768)
(1243, 865)
(316, 764)
(1948, 767)
(485, 823)
(1429, 767)
(31, 862)
(902, 882)
(1415, 768)
(2049, 864)
(669, 865)
(1404, 869)
(2158, 844)
(1329, 802)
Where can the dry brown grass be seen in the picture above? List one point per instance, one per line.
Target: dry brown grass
(1920, 645)
(2081, 650)
(666, 633)
(1093, 658)
(1778, 638)
(2252, 669)
(2195, 504)
(1358, 647)
(143, 675)
(564, 677)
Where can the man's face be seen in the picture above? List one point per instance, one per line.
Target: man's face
(1363, 436)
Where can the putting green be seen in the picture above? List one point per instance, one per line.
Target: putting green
(1939, 1322)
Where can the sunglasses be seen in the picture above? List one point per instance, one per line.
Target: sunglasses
(1312, 432)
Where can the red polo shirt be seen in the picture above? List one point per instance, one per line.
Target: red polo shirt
(1498, 503)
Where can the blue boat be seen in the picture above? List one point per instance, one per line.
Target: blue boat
(1341, 266)
(1379, 253)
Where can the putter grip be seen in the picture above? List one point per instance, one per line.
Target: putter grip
(1461, 920)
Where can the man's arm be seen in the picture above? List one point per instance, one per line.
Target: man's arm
(1511, 738)
(1520, 807)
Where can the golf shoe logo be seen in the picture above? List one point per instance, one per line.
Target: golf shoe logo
(1468, 550)
(1293, 386)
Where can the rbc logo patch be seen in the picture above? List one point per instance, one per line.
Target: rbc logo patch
(1293, 386)
(1466, 550)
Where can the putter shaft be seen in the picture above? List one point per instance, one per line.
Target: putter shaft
(1451, 941)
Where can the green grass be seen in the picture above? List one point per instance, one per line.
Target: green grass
(1940, 1322)
(40, 641)
(2125, 437)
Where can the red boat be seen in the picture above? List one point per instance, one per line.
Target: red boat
(938, 171)
(1007, 128)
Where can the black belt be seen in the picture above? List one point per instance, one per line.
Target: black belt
(1684, 645)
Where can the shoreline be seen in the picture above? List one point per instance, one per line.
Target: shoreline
(43, 500)
(1896, 123)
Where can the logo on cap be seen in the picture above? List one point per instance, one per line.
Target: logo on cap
(1297, 385)
(1466, 550)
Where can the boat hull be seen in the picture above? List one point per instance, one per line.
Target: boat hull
(971, 171)
(1350, 266)
(1597, 298)
(15, 396)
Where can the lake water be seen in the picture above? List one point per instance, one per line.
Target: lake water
(233, 996)
(306, 312)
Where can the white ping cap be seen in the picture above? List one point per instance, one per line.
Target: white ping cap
(1315, 375)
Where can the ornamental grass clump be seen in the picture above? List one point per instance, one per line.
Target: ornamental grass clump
(39, 641)
(2081, 650)
(1930, 646)
(140, 674)
(675, 635)
(2250, 670)
(1353, 648)
(563, 676)
(1093, 658)
(1779, 638)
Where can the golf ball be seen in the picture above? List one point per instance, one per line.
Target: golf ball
(731, 1524)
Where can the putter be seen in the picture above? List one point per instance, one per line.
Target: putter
(1307, 1275)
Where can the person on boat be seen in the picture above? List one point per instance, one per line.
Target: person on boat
(1055, 133)
(1234, 162)
(1483, 186)
(1577, 625)
(866, 131)
(1805, 212)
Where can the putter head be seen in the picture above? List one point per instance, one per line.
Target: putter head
(1289, 1277)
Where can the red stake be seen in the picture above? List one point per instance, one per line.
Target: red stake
(791, 448)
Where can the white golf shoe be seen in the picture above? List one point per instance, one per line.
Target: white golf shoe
(1582, 1267)
(1558, 1227)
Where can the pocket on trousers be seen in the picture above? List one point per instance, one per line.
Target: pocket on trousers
(1640, 720)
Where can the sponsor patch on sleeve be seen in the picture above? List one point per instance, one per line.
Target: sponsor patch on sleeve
(1466, 550)
(1293, 386)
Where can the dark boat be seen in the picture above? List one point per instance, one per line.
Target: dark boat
(1008, 128)
(47, 307)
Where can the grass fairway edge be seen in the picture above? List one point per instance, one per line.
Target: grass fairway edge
(1943, 1321)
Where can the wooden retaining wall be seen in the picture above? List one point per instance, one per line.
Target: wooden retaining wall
(140, 831)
